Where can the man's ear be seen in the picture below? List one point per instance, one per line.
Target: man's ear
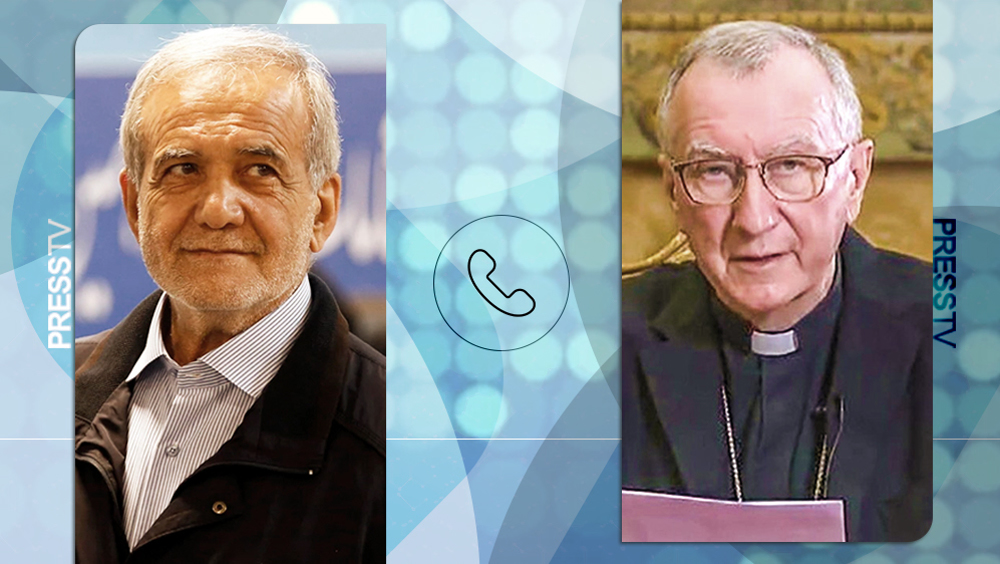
(862, 157)
(326, 216)
(130, 200)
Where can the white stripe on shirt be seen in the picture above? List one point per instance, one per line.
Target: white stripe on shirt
(179, 416)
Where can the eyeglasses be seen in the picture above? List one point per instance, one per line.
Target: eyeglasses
(789, 178)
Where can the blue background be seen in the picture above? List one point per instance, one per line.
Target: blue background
(493, 107)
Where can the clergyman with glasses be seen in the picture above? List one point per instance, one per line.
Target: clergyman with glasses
(791, 359)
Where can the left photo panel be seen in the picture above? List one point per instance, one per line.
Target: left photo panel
(229, 293)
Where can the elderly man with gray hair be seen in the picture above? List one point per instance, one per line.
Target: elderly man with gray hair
(231, 417)
(790, 359)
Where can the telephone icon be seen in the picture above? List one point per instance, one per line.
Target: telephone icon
(512, 304)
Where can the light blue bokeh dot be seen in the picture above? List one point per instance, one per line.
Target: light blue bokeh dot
(944, 27)
(479, 410)
(425, 133)
(524, 244)
(944, 411)
(417, 245)
(978, 522)
(481, 190)
(974, 413)
(586, 351)
(435, 349)
(944, 187)
(977, 24)
(976, 248)
(592, 189)
(471, 306)
(534, 134)
(978, 76)
(978, 467)
(977, 299)
(419, 413)
(425, 78)
(215, 12)
(376, 12)
(592, 246)
(531, 88)
(535, 190)
(478, 364)
(942, 528)
(390, 410)
(538, 362)
(979, 354)
(390, 79)
(481, 78)
(425, 25)
(423, 185)
(417, 304)
(481, 134)
(390, 133)
(536, 25)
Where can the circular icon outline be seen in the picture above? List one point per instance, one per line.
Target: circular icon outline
(569, 282)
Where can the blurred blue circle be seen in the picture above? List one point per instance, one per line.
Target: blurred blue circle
(976, 248)
(535, 190)
(977, 467)
(480, 411)
(538, 362)
(978, 138)
(976, 21)
(979, 354)
(978, 520)
(423, 185)
(531, 88)
(481, 190)
(593, 246)
(417, 249)
(481, 134)
(943, 463)
(536, 25)
(481, 78)
(425, 133)
(978, 76)
(478, 364)
(972, 412)
(592, 189)
(425, 78)
(944, 27)
(535, 134)
(977, 299)
(435, 349)
(979, 186)
(425, 25)
(942, 528)
(371, 11)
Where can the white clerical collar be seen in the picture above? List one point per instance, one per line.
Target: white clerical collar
(774, 344)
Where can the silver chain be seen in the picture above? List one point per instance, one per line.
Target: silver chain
(737, 481)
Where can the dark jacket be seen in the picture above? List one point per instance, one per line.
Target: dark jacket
(301, 480)
(673, 435)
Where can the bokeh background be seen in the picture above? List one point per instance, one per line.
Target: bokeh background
(887, 47)
(492, 101)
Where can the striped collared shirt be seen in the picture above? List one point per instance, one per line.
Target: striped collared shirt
(179, 416)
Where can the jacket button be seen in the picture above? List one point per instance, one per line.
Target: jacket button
(219, 507)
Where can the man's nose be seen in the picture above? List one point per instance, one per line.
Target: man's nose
(221, 204)
(756, 210)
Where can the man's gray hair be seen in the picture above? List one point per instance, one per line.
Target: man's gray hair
(747, 47)
(234, 51)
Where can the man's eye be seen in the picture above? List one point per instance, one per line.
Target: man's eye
(262, 170)
(788, 166)
(182, 169)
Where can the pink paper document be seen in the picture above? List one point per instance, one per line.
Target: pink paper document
(656, 517)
